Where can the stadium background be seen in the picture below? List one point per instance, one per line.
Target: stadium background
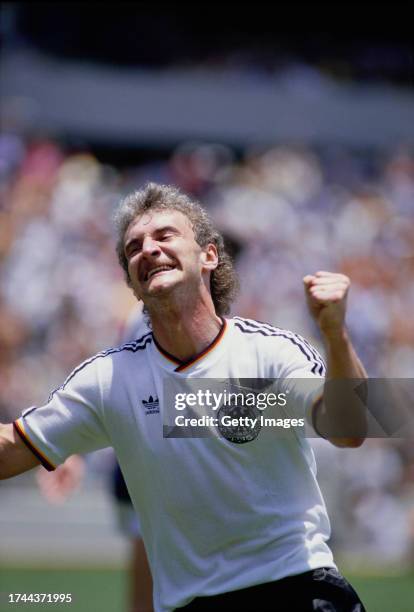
(296, 130)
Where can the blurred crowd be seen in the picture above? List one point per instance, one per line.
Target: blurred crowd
(285, 212)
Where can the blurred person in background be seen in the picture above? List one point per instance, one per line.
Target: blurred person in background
(58, 485)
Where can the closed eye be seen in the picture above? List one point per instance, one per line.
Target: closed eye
(161, 235)
(132, 249)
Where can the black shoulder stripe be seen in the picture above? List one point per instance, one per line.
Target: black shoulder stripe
(290, 333)
(132, 343)
(317, 367)
(28, 410)
(300, 339)
(316, 355)
(258, 324)
(137, 345)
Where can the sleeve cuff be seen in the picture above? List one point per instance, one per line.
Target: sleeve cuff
(19, 428)
(317, 402)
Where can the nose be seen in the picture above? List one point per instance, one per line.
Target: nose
(150, 247)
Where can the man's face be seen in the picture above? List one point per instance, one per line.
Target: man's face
(162, 254)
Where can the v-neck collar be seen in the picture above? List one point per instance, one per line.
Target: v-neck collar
(184, 365)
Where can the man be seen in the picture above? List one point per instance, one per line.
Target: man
(229, 522)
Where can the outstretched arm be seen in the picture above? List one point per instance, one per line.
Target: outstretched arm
(15, 456)
(341, 410)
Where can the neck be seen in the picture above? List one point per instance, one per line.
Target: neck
(185, 330)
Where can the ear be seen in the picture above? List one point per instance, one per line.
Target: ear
(209, 257)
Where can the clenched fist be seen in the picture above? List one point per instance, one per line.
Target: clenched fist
(326, 294)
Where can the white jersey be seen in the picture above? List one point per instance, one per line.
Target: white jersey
(216, 516)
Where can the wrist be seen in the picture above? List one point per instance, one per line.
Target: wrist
(335, 336)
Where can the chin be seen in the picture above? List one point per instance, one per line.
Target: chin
(160, 288)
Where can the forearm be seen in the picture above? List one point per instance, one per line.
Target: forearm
(342, 360)
(342, 417)
(5, 439)
(15, 457)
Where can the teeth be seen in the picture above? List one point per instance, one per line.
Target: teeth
(158, 269)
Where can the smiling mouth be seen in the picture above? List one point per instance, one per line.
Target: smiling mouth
(158, 270)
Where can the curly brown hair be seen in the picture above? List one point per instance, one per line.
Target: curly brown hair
(223, 280)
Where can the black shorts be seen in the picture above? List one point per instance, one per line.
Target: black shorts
(320, 590)
(119, 488)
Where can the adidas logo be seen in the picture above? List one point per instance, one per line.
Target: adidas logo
(152, 405)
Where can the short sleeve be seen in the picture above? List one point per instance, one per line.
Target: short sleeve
(302, 376)
(71, 422)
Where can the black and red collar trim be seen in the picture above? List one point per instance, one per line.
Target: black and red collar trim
(182, 365)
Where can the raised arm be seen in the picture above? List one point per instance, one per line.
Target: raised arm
(341, 416)
(15, 456)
